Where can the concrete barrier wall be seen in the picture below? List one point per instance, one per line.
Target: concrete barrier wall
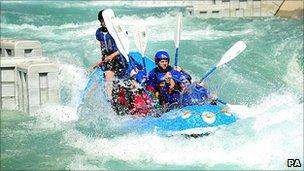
(27, 80)
(234, 8)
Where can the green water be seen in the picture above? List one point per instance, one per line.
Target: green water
(267, 77)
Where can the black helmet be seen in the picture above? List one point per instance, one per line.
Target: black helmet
(100, 17)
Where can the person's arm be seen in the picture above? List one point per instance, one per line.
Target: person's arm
(106, 59)
(111, 56)
(151, 85)
(178, 68)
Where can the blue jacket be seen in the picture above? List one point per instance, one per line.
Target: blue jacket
(153, 74)
(169, 98)
(108, 44)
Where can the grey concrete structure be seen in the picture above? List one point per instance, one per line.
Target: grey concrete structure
(27, 80)
(234, 8)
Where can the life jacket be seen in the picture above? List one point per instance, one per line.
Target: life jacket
(108, 44)
(153, 75)
(121, 98)
(141, 103)
(169, 97)
(178, 76)
(138, 102)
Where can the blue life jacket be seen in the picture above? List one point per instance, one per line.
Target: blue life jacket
(196, 95)
(167, 97)
(153, 74)
(179, 76)
(108, 44)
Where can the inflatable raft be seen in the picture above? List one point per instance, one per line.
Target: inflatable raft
(189, 120)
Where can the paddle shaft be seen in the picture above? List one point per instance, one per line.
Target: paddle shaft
(144, 62)
(176, 57)
(222, 101)
(177, 37)
(208, 73)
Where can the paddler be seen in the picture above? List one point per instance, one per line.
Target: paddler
(112, 62)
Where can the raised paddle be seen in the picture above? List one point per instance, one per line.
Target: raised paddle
(140, 38)
(233, 52)
(177, 35)
(117, 32)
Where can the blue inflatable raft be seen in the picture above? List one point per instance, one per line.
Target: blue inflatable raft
(189, 120)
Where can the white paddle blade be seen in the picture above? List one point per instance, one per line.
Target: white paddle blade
(234, 51)
(117, 32)
(178, 30)
(140, 38)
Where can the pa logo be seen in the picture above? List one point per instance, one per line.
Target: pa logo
(293, 163)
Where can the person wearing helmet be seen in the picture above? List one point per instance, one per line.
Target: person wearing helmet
(168, 94)
(162, 60)
(112, 62)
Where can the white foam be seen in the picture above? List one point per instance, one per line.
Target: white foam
(74, 78)
(294, 75)
(259, 141)
(278, 108)
(56, 113)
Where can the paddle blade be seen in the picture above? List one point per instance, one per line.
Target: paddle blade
(140, 38)
(234, 51)
(178, 30)
(117, 32)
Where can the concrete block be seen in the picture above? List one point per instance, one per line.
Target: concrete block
(20, 48)
(243, 4)
(247, 12)
(33, 97)
(33, 109)
(44, 96)
(43, 80)
(8, 74)
(33, 81)
(43, 68)
(226, 13)
(53, 95)
(234, 4)
(27, 78)
(239, 13)
(8, 89)
(9, 103)
(256, 8)
(53, 80)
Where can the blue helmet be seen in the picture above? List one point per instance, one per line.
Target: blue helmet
(160, 55)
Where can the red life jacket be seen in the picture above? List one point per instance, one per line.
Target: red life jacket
(141, 104)
(121, 100)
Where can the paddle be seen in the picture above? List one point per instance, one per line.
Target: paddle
(233, 52)
(140, 38)
(89, 83)
(117, 32)
(177, 35)
(121, 41)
